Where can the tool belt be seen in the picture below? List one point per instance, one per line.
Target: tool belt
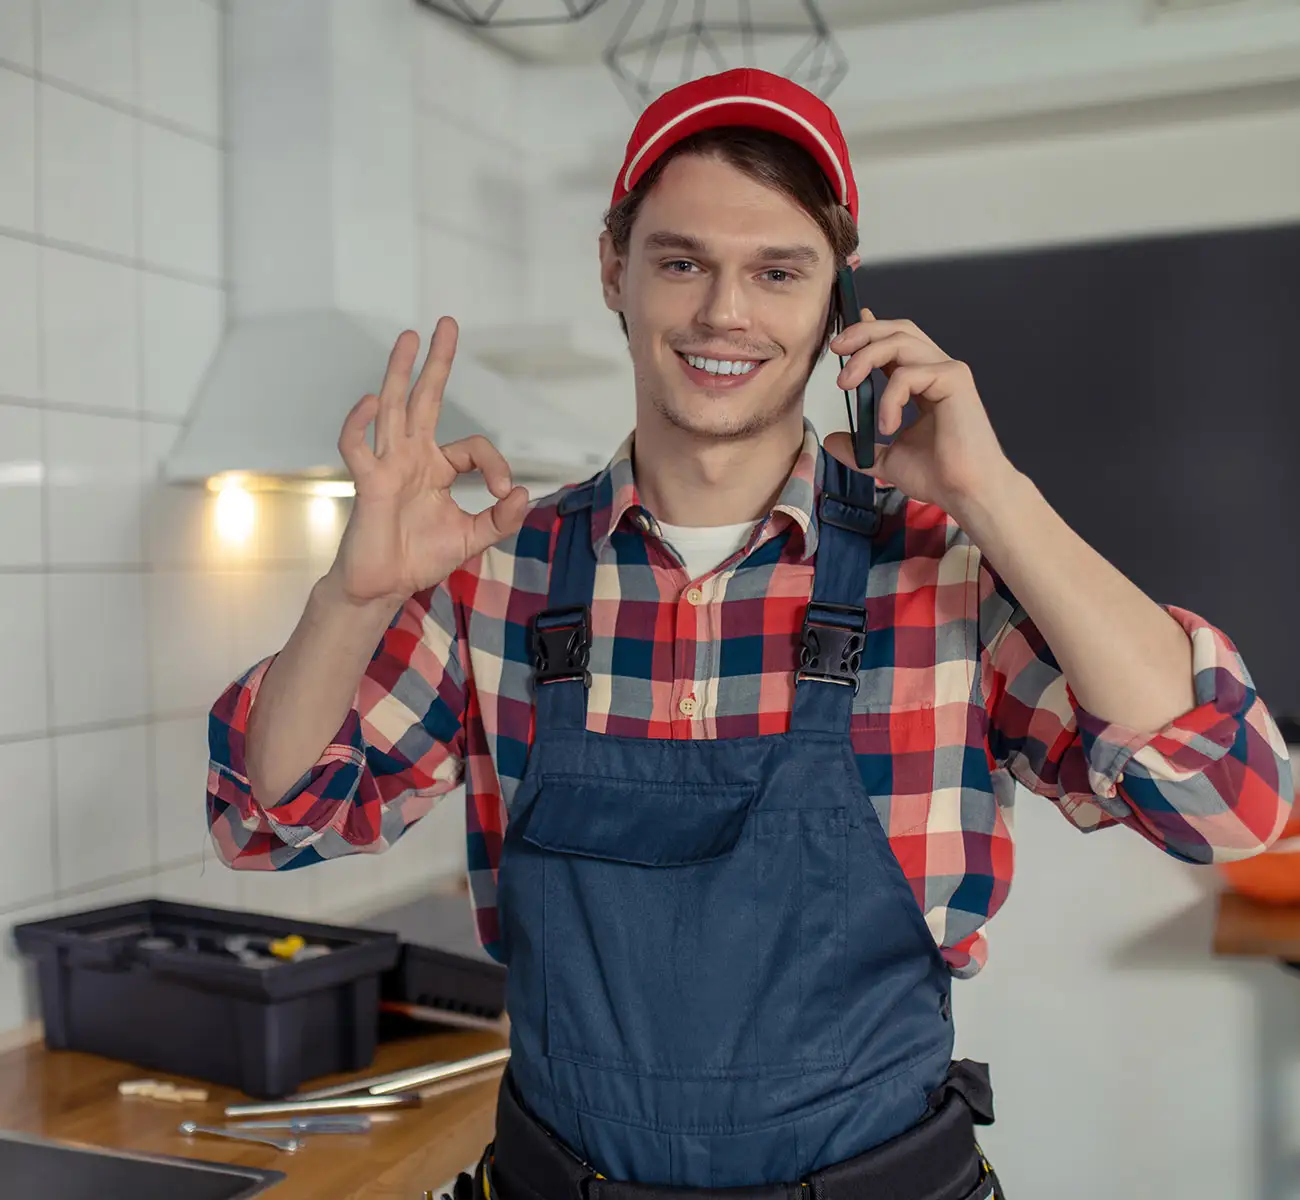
(937, 1159)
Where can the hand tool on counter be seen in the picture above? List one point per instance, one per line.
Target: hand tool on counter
(411, 1079)
(335, 1104)
(347, 1089)
(289, 1145)
(419, 1077)
(343, 1123)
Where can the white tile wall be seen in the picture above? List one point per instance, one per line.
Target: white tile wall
(21, 498)
(180, 525)
(180, 62)
(191, 642)
(206, 882)
(90, 44)
(18, 32)
(181, 327)
(97, 647)
(355, 884)
(89, 331)
(23, 666)
(87, 172)
(95, 489)
(27, 849)
(19, 313)
(303, 893)
(180, 769)
(139, 886)
(180, 184)
(17, 145)
(102, 805)
(266, 607)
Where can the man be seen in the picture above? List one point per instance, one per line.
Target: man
(732, 847)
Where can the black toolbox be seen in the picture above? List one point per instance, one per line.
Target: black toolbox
(158, 984)
(441, 966)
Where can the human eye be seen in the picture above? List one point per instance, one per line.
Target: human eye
(678, 266)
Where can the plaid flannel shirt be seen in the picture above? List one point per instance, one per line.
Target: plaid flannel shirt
(961, 700)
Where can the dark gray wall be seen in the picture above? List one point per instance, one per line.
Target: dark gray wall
(1152, 390)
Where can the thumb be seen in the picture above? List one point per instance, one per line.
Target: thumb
(500, 521)
(840, 445)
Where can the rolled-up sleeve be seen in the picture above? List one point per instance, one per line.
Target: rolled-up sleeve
(400, 747)
(1211, 786)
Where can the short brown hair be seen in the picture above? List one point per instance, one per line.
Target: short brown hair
(769, 158)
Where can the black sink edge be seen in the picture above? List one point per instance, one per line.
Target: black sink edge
(259, 1179)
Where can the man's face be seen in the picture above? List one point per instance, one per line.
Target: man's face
(725, 290)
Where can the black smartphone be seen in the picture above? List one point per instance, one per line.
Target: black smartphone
(863, 429)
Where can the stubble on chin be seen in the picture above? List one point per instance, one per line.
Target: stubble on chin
(699, 422)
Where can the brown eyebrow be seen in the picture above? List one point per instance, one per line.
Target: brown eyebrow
(665, 240)
(685, 243)
(805, 255)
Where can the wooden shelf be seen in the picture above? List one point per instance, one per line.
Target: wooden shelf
(1247, 927)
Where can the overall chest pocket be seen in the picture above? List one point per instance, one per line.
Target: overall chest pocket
(688, 933)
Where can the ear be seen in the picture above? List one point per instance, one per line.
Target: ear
(612, 268)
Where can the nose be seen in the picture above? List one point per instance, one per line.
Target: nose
(725, 306)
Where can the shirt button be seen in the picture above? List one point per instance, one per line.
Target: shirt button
(686, 706)
(694, 595)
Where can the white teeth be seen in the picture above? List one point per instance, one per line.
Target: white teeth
(716, 366)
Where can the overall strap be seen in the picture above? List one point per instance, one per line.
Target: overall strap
(835, 622)
(560, 636)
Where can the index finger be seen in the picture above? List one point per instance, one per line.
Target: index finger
(426, 396)
(870, 330)
(392, 394)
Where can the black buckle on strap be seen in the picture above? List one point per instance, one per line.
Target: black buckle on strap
(560, 642)
(831, 645)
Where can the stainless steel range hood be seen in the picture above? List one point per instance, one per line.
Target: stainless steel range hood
(322, 241)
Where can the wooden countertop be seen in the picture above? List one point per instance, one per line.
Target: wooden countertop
(1248, 927)
(74, 1097)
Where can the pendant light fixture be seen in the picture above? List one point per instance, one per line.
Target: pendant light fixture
(662, 43)
(502, 14)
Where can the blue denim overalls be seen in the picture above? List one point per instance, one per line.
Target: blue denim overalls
(719, 974)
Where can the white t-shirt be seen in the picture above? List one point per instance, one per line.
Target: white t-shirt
(703, 547)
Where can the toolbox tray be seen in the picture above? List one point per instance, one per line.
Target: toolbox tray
(206, 1015)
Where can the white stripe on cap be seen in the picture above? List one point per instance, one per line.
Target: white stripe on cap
(781, 108)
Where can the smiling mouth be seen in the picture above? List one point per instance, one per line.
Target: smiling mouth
(719, 372)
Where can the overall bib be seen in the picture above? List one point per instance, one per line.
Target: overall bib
(718, 973)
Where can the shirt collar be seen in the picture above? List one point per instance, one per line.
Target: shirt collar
(616, 499)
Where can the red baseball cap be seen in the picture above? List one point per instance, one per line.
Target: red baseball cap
(745, 96)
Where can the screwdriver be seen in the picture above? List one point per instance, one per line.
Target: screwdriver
(360, 1123)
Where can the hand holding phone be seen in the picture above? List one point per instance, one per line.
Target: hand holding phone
(863, 430)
